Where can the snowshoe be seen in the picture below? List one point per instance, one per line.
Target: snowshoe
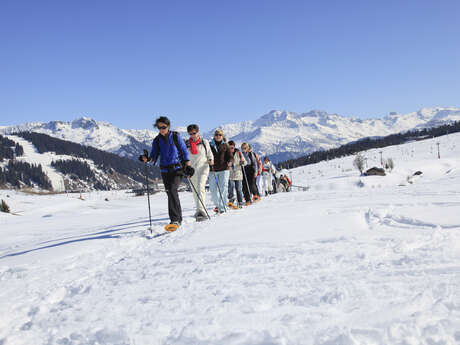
(235, 207)
(200, 216)
(173, 226)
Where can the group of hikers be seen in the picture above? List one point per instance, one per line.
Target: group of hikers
(238, 176)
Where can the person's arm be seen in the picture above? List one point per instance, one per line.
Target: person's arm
(254, 163)
(153, 153)
(242, 159)
(183, 149)
(228, 156)
(209, 154)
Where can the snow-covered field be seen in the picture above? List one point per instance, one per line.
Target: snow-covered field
(354, 260)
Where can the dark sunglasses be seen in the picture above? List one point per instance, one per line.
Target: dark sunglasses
(193, 133)
(162, 127)
(217, 135)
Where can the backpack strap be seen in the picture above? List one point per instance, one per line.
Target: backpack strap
(187, 143)
(176, 143)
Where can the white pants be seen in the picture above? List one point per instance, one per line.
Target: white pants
(259, 183)
(267, 185)
(199, 181)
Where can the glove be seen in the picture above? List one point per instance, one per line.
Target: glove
(143, 158)
(189, 171)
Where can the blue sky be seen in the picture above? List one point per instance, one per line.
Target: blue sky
(213, 62)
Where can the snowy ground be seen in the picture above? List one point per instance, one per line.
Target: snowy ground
(355, 260)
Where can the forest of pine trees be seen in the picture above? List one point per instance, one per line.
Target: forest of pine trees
(6, 149)
(29, 174)
(370, 143)
(75, 168)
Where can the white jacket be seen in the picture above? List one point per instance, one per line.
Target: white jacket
(203, 156)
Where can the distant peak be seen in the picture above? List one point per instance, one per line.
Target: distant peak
(84, 119)
(84, 122)
(316, 112)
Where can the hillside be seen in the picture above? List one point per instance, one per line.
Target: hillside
(63, 165)
(354, 260)
(369, 143)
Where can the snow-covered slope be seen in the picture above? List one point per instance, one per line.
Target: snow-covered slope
(280, 134)
(355, 260)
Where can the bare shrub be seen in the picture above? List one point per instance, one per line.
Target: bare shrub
(389, 164)
(4, 207)
(359, 162)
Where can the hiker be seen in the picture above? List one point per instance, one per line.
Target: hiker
(236, 177)
(267, 172)
(258, 173)
(218, 181)
(286, 182)
(201, 158)
(174, 164)
(249, 175)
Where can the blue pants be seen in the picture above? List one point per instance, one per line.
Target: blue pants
(222, 178)
(232, 184)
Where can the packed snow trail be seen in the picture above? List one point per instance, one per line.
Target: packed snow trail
(339, 264)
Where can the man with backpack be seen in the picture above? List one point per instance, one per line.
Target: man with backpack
(174, 164)
(236, 177)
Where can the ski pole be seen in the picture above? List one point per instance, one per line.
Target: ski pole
(198, 196)
(148, 195)
(218, 187)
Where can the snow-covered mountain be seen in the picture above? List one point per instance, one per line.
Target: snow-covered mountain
(280, 134)
(284, 135)
(87, 131)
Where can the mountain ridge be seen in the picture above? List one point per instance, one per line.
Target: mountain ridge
(279, 134)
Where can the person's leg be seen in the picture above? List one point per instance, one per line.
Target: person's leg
(171, 181)
(223, 185)
(201, 188)
(264, 184)
(252, 183)
(195, 180)
(259, 182)
(213, 188)
(199, 181)
(239, 191)
(231, 189)
(269, 183)
(246, 186)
